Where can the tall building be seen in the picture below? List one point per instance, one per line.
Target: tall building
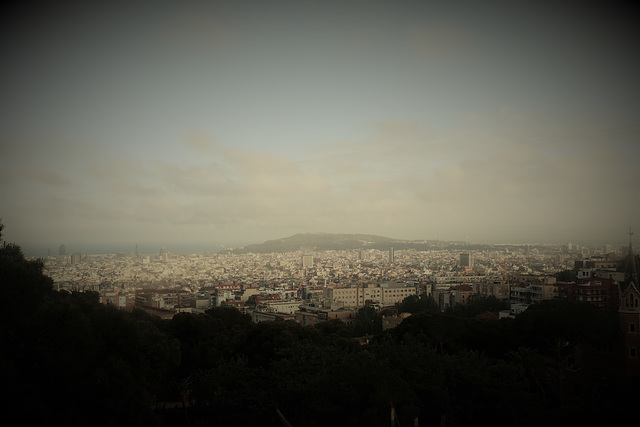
(62, 250)
(387, 294)
(392, 256)
(307, 261)
(466, 260)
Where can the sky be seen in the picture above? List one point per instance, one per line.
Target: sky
(198, 124)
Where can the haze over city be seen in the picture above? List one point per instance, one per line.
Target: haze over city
(205, 123)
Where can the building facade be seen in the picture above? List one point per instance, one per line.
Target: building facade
(466, 260)
(629, 314)
(386, 294)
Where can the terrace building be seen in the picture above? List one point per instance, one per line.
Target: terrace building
(598, 291)
(532, 293)
(386, 294)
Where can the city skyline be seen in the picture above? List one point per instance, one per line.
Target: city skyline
(419, 245)
(235, 123)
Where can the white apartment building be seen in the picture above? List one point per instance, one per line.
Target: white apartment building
(356, 296)
(283, 307)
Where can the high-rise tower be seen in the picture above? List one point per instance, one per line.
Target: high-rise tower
(466, 260)
(307, 261)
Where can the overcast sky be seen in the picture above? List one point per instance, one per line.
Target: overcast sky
(177, 123)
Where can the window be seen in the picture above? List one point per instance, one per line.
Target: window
(633, 353)
(632, 328)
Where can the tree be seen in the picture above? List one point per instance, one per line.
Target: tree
(555, 327)
(231, 316)
(416, 304)
(478, 304)
(66, 357)
(22, 282)
(333, 327)
(367, 322)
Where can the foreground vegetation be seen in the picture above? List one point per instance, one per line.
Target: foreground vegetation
(66, 359)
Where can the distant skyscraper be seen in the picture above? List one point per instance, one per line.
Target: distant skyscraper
(466, 260)
(307, 261)
(164, 256)
(62, 250)
(392, 256)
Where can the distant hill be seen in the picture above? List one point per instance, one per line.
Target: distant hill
(329, 241)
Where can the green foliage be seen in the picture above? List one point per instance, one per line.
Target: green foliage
(266, 342)
(367, 322)
(66, 358)
(333, 328)
(477, 305)
(555, 327)
(417, 304)
(230, 316)
(21, 280)
(203, 340)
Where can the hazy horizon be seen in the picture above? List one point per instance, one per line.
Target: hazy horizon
(150, 248)
(207, 123)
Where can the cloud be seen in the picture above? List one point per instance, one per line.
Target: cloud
(201, 141)
(36, 174)
(193, 180)
(528, 174)
(405, 180)
(133, 188)
(255, 162)
(502, 114)
(437, 41)
(83, 208)
(106, 168)
(195, 29)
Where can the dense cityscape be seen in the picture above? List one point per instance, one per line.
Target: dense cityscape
(309, 286)
(172, 283)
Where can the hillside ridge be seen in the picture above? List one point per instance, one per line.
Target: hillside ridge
(334, 241)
